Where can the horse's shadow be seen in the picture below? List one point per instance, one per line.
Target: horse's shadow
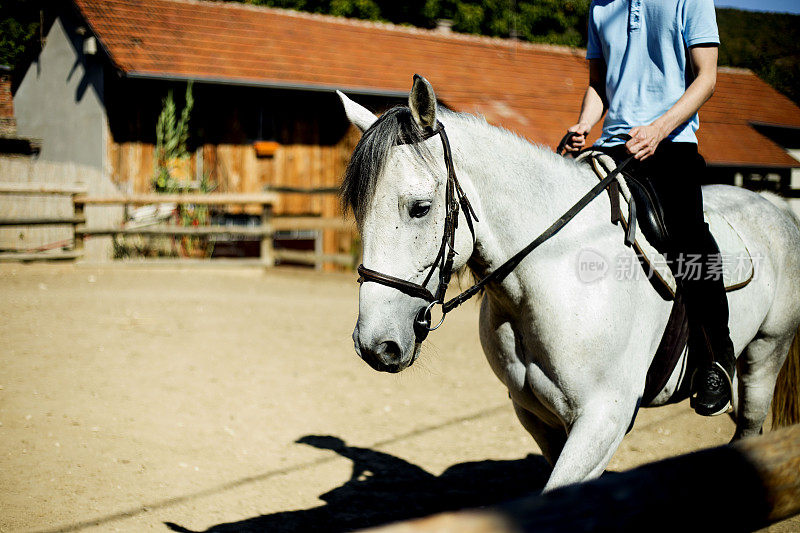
(384, 488)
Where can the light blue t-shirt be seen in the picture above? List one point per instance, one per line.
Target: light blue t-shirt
(644, 44)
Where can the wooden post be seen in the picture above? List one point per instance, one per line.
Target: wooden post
(79, 214)
(740, 487)
(267, 257)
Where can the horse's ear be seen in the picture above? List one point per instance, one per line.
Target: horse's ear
(422, 102)
(360, 116)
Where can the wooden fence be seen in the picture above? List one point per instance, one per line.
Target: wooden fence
(265, 231)
(43, 179)
(63, 246)
(741, 487)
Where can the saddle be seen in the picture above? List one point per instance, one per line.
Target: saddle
(635, 204)
(649, 213)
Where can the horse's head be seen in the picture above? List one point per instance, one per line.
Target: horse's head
(396, 186)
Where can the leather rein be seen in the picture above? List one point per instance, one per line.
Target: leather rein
(455, 200)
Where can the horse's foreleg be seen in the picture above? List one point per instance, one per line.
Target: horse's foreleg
(593, 438)
(502, 350)
(550, 440)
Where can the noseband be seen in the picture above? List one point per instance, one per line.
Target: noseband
(455, 201)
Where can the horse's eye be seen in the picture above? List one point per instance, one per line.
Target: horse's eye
(419, 209)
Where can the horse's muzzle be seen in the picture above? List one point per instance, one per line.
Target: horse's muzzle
(384, 356)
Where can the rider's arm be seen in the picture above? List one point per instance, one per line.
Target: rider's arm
(594, 104)
(645, 139)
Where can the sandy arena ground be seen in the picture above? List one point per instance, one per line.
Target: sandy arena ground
(137, 399)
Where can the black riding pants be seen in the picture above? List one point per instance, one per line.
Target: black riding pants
(675, 172)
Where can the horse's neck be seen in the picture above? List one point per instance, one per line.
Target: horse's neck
(520, 190)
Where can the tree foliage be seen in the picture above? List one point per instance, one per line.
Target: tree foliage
(19, 27)
(766, 43)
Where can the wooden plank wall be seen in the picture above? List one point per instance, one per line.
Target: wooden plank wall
(235, 168)
(131, 166)
(310, 127)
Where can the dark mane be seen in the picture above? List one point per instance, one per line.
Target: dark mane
(371, 153)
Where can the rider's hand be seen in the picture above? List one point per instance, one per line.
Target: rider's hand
(578, 141)
(644, 141)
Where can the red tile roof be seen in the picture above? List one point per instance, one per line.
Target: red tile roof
(535, 90)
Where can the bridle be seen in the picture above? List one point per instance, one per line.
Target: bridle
(455, 200)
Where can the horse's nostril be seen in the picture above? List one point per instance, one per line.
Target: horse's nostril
(389, 352)
(385, 356)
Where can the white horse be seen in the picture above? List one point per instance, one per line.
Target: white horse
(573, 355)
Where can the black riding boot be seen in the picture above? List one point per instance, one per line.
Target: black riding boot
(712, 382)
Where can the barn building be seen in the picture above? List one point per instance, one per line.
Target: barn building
(266, 116)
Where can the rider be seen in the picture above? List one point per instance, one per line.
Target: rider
(652, 65)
